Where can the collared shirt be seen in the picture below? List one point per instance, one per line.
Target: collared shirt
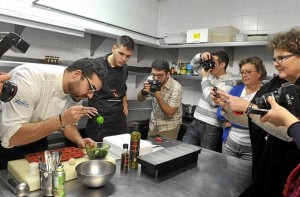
(172, 96)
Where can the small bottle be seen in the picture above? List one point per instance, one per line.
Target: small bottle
(172, 71)
(135, 138)
(125, 158)
(59, 188)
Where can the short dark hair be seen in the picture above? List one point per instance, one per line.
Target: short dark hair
(161, 65)
(258, 63)
(125, 41)
(223, 57)
(89, 67)
(289, 41)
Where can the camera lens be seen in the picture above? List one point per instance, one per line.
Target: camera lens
(8, 91)
(263, 103)
(209, 64)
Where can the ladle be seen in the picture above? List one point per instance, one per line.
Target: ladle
(19, 190)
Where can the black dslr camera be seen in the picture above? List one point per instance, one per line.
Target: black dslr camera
(208, 64)
(287, 96)
(155, 85)
(15, 43)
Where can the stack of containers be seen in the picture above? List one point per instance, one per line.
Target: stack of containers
(189, 70)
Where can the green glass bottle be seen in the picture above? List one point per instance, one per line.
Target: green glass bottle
(134, 146)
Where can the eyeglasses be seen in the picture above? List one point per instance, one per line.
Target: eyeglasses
(281, 58)
(157, 75)
(91, 87)
(246, 72)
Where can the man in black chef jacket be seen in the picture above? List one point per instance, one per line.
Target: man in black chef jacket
(111, 100)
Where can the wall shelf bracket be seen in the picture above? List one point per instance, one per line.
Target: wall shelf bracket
(174, 55)
(96, 41)
(230, 52)
(19, 29)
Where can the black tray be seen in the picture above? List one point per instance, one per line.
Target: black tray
(169, 159)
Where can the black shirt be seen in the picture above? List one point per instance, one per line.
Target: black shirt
(108, 102)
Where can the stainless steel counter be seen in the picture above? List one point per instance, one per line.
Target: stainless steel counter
(214, 175)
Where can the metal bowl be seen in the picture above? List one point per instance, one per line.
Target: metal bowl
(95, 173)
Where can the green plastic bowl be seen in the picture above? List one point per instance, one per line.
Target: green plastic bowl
(97, 152)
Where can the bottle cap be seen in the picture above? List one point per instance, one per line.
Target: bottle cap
(100, 119)
(125, 145)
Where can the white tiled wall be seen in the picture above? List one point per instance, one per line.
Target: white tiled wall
(250, 16)
(158, 18)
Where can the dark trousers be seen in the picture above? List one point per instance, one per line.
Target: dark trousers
(205, 135)
(19, 152)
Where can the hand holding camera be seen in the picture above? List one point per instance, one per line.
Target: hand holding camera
(206, 61)
(287, 96)
(151, 86)
(7, 89)
(9, 41)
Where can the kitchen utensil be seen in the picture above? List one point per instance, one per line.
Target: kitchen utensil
(48, 160)
(46, 183)
(95, 173)
(21, 189)
(99, 151)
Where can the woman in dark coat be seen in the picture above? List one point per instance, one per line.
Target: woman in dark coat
(275, 154)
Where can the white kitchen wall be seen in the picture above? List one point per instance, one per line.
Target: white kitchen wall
(250, 16)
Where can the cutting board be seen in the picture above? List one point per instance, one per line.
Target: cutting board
(20, 171)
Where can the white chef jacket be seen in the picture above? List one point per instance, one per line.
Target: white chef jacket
(40, 96)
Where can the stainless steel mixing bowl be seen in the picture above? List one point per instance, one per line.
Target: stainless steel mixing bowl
(95, 173)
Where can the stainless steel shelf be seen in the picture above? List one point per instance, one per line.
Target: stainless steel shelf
(217, 44)
(141, 76)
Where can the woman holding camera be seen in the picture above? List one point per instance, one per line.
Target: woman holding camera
(274, 153)
(236, 139)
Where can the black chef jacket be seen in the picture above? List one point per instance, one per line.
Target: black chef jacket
(273, 159)
(108, 102)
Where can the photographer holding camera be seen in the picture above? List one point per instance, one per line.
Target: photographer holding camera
(274, 153)
(166, 95)
(206, 130)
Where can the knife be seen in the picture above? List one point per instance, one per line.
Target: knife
(48, 160)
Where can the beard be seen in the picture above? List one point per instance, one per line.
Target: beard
(72, 91)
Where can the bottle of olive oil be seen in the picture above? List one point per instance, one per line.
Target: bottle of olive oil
(134, 146)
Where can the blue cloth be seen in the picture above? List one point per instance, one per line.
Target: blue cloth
(235, 91)
(294, 132)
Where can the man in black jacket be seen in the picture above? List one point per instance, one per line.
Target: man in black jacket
(111, 100)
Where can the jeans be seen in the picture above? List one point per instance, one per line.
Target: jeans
(237, 150)
(205, 135)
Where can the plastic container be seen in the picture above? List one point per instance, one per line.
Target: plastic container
(223, 33)
(198, 35)
(189, 70)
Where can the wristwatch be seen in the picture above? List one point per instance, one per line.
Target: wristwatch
(62, 125)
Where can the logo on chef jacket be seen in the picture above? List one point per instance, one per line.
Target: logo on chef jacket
(21, 102)
(116, 95)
